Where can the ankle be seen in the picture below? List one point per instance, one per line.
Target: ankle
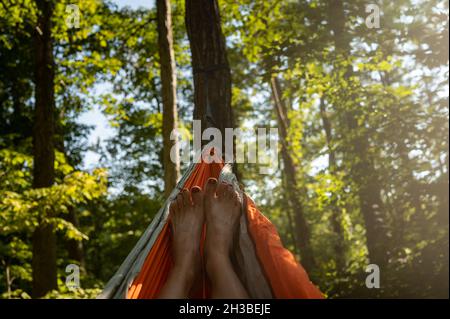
(216, 261)
(186, 272)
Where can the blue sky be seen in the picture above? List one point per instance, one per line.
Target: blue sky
(135, 3)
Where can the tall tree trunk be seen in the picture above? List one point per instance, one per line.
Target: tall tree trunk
(362, 170)
(336, 217)
(44, 240)
(212, 77)
(286, 206)
(169, 94)
(290, 172)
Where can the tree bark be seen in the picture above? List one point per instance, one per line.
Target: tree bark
(362, 170)
(44, 240)
(292, 191)
(286, 205)
(169, 94)
(212, 77)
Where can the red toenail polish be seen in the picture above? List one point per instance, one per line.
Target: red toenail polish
(195, 190)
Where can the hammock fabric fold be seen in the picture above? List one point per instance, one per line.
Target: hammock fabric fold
(266, 268)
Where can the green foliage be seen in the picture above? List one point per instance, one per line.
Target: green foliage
(22, 208)
(23, 211)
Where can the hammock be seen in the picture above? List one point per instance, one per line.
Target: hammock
(265, 267)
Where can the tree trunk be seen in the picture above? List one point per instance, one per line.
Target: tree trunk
(212, 78)
(169, 94)
(44, 240)
(291, 220)
(336, 217)
(290, 172)
(362, 170)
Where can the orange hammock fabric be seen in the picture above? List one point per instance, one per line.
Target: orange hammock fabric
(286, 276)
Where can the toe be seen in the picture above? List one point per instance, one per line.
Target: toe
(210, 187)
(230, 192)
(186, 198)
(173, 206)
(197, 196)
(222, 190)
(236, 198)
(179, 202)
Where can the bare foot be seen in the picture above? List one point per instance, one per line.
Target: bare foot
(222, 212)
(187, 217)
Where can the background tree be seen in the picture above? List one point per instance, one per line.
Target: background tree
(302, 233)
(44, 240)
(212, 78)
(169, 94)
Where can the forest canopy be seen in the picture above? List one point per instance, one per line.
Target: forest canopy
(360, 101)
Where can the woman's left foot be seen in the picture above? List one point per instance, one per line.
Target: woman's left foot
(187, 217)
